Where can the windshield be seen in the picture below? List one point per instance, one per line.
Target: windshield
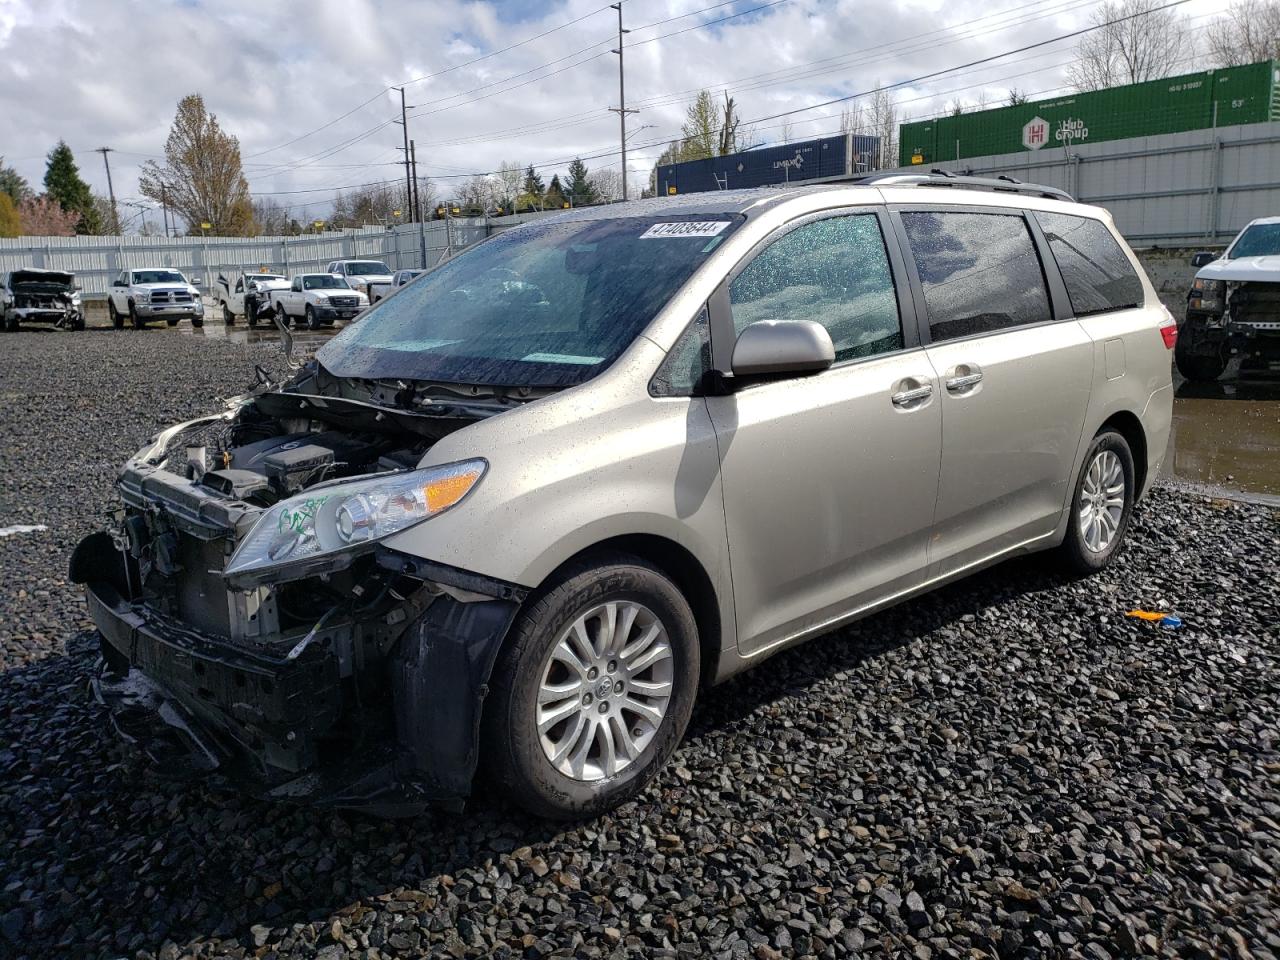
(1260, 240)
(368, 268)
(259, 277)
(158, 276)
(547, 304)
(324, 281)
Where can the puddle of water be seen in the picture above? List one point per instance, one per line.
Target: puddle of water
(1227, 434)
(22, 528)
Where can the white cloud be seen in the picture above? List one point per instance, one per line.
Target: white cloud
(96, 73)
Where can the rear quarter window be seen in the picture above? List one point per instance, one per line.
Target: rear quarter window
(1098, 274)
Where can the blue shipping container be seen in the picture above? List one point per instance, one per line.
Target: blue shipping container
(827, 157)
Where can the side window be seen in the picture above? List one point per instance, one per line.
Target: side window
(297, 284)
(681, 373)
(239, 284)
(1098, 275)
(834, 272)
(980, 272)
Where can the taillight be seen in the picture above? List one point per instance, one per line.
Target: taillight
(1170, 334)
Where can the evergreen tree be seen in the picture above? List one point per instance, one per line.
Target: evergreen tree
(580, 188)
(13, 184)
(555, 194)
(533, 184)
(62, 182)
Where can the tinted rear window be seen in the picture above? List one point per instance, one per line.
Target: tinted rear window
(1098, 275)
(980, 272)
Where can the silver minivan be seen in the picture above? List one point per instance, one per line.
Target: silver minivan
(505, 528)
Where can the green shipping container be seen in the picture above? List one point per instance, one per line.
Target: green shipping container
(1248, 94)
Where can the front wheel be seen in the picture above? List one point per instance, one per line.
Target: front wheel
(1199, 357)
(593, 690)
(138, 322)
(282, 317)
(11, 323)
(228, 318)
(1101, 506)
(117, 320)
(313, 322)
(171, 321)
(197, 322)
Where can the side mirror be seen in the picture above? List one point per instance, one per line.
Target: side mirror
(774, 347)
(1203, 259)
(197, 281)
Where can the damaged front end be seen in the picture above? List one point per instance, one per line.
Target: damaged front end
(252, 618)
(42, 296)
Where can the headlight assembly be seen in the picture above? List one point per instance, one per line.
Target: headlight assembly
(351, 517)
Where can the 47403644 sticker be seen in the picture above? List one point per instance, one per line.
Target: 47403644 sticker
(684, 228)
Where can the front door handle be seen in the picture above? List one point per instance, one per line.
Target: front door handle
(960, 383)
(906, 398)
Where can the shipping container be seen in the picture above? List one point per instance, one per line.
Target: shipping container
(1194, 101)
(810, 160)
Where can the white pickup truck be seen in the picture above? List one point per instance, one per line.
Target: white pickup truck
(317, 299)
(361, 274)
(153, 293)
(241, 292)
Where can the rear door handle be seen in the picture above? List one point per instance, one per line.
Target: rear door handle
(956, 384)
(905, 398)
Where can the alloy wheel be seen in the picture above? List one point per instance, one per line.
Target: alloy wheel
(1101, 501)
(605, 688)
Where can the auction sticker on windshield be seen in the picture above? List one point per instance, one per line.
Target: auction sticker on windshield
(687, 228)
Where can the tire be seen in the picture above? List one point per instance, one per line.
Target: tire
(197, 322)
(1091, 544)
(228, 318)
(10, 323)
(171, 321)
(1197, 367)
(513, 753)
(137, 321)
(117, 320)
(78, 322)
(313, 322)
(282, 315)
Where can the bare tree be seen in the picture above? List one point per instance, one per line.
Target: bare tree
(202, 178)
(271, 216)
(510, 176)
(884, 124)
(786, 133)
(853, 118)
(1144, 45)
(370, 206)
(1016, 97)
(1249, 32)
(607, 183)
(729, 122)
(481, 193)
(955, 107)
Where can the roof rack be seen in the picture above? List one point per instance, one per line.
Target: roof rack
(945, 178)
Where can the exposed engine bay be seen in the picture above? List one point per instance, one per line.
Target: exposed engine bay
(266, 677)
(41, 296)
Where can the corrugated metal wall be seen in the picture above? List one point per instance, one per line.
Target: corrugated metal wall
(1178, 189)
(96, 260)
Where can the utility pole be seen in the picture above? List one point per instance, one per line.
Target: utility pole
(413, 164)
(621, 109)
(408, 173)
(115, 213)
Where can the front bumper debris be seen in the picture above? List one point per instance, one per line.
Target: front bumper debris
(396, 736)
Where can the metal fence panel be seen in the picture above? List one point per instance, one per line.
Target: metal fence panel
(96, 260)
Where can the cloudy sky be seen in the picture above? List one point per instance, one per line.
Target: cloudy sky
(304, 86)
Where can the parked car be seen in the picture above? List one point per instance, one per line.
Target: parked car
(241, 292)
(1233, 307)
(153, 293)
(40, 296)
(378, 290)
(519, 515)
(316, 299)
(361, 274)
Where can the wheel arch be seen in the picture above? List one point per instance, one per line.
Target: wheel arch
(1127, 424)
(679, 565)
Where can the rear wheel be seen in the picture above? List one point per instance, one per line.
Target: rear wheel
(1102, 504)
(117, 320)
(593, 690)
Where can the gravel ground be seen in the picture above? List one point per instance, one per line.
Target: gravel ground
(1007, 767)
